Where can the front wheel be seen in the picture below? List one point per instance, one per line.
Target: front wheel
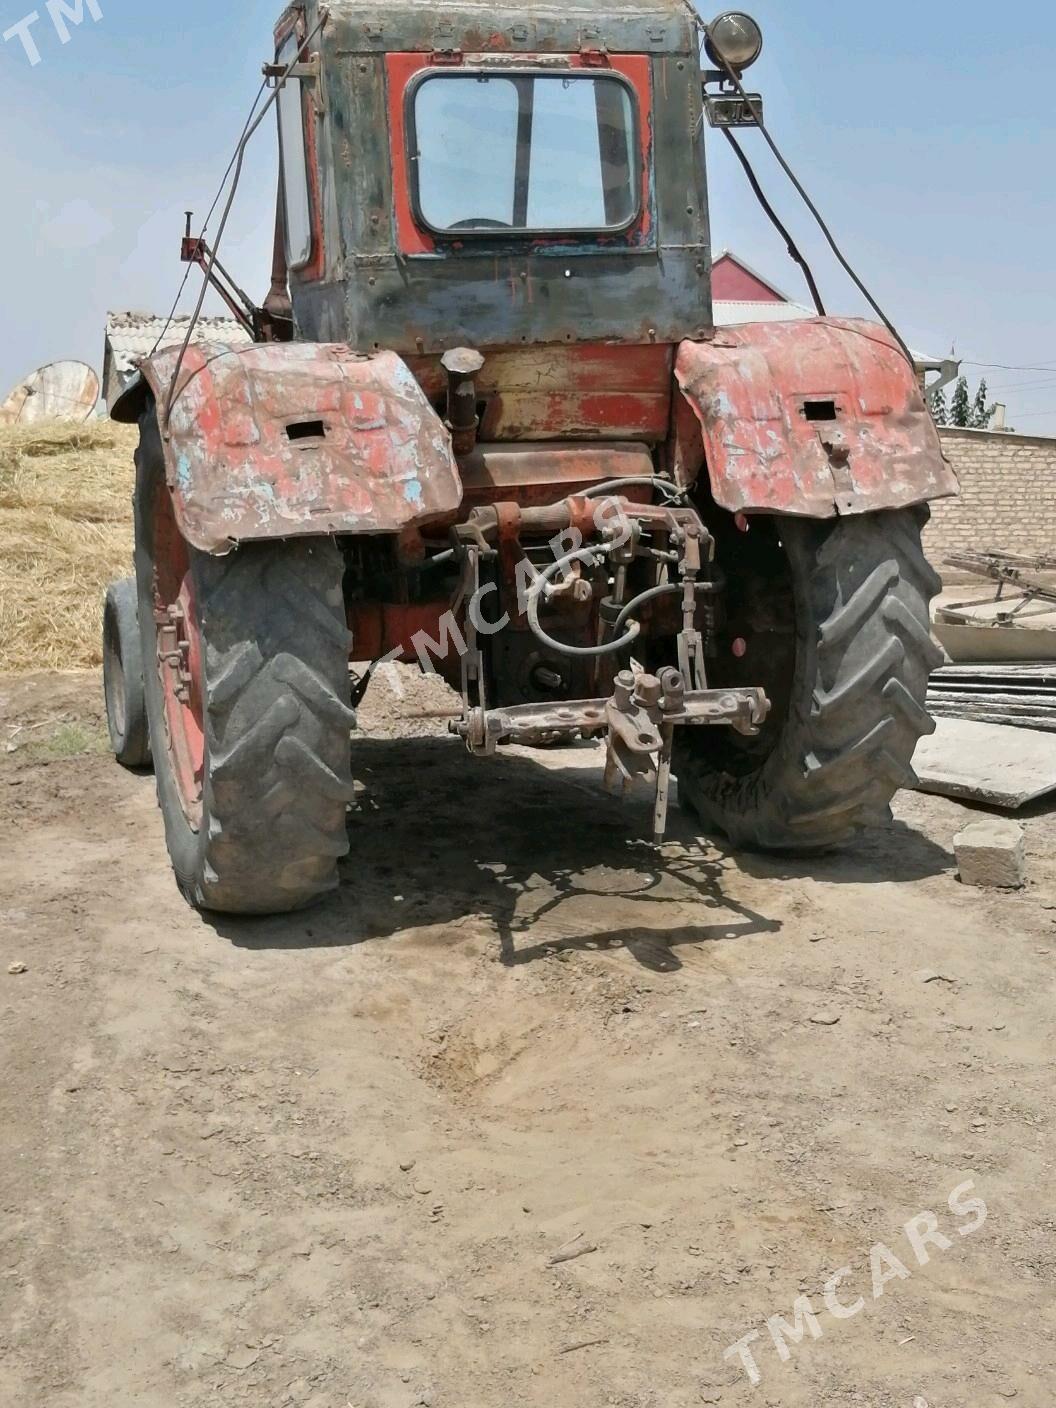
(123, 689)
(835, 620)
(247, 688)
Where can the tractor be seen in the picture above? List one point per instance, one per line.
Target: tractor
(485, 423)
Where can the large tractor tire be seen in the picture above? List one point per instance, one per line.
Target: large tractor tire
(248, 695)
(836, 617)
(123, 689)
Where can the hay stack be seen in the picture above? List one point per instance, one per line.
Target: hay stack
(65, 533)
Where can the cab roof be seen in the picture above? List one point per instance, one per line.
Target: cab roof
(516, 26)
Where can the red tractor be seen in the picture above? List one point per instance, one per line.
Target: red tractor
(487, 424)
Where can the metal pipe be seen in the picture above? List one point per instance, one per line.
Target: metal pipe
(665, 589)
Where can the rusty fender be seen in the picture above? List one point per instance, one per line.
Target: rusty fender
(284, 440)
(814, 418)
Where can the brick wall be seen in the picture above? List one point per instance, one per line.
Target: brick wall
(1008, 496)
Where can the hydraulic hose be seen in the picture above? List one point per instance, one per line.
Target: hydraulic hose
(579, 651)
(634, 482)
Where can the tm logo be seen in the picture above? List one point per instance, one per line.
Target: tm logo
(63, 13)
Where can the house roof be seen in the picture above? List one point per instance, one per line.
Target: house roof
(132, 336)
(730, 312)
(727, 256)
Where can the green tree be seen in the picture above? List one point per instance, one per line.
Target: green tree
(982, 412)
(938, 407)
(961, 406)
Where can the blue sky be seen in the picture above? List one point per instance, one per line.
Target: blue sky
(927, 134)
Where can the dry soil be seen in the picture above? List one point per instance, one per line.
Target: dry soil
(331, 1160)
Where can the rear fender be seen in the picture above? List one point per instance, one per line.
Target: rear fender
(813, 418)
(287, 440)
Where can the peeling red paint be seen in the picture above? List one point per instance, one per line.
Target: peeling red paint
(245, 458)
(813, 418)
(557, 392)
(412, 239)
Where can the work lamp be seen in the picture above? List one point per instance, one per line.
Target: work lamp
(736, 39)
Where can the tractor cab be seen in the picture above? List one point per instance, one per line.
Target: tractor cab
(489, 176)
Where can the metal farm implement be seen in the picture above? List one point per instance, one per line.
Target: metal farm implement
(487, 424)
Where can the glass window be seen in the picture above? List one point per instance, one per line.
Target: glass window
(525, 152)
(294, 163)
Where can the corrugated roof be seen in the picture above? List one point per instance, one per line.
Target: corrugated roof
(132, 336)
(730, 314)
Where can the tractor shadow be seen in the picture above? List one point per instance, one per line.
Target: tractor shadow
(534, 847)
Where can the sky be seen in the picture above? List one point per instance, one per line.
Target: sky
(926, 133)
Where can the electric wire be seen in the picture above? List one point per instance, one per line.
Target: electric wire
(844, 263)
(205, 226)
(793, 249)
(1005, 367)
(250, 131)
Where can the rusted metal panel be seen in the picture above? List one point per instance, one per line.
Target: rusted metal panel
(628, 26)
(537, 474)
(377, 294)
(294, 439)
(814, 418)
(564, 392)
(384, 627)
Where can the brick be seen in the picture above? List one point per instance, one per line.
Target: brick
(992, 855)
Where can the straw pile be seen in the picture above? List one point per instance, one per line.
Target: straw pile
(65, 533)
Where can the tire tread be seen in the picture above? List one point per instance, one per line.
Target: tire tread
(865, 652)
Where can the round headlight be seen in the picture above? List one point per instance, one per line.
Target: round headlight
(735, 38)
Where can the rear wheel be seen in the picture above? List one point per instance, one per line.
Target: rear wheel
(835, 620)
(247, 689)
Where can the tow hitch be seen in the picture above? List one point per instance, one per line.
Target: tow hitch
(639, 722)
(640, 716)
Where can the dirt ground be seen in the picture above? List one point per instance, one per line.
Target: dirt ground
(330, 1160)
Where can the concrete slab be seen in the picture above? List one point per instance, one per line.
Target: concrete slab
(990, 763)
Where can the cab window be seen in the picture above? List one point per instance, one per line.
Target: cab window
(524, 153)
(294, 163)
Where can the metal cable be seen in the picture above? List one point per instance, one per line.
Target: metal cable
(632, 482)
(754, 109)
(775, 220)
(665, 589)
(205, 226)
(240, 154)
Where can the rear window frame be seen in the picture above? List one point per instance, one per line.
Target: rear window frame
(536, 234)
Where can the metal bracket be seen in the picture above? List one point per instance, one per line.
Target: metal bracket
(639, 721)
(309, 69)
(731, 110)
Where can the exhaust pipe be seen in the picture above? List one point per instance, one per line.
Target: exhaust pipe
(462, 365)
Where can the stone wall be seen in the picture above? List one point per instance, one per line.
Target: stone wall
(1008, 496)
